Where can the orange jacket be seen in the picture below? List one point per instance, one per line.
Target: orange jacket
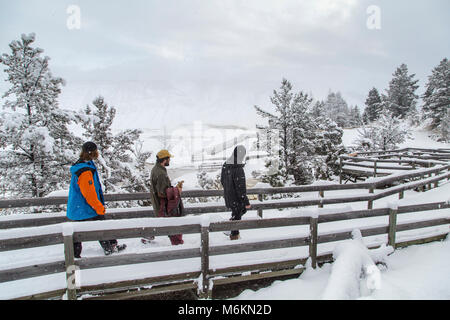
(86, 183)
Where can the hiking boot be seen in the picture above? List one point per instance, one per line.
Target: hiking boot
(234, 237)
(115, 248)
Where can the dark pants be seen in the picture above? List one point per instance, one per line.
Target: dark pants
(107, 245)
(236, 214)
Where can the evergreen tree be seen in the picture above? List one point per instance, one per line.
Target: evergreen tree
(401, 98)
(355, 118)
(285, 124)
(318, 110)
(437, 95)
(328, 147)
(37, 146)
(303, 140)
(337, 109)
(121, 162)
(373, 105)
(307, 138)
(280, 123)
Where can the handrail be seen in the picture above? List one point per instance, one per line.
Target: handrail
(100, 231)
(15, 203)
(266, 205)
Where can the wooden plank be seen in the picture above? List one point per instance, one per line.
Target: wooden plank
(259, 276)
(423, 207)
(126, 259)
(44, 295)
(422, 224)
(31, 242)
(344, 235)
(350, 215)
(257, 223)
(36, 270)
(145, 292)
(130, 284)
(378, 167)
(32, 222)
(258, 246)
(407, 243)
(261, 267)
(135, 232)
(409, 186)
(389, 180)
(32, 202)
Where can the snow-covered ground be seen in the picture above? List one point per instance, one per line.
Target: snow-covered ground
(414, 272)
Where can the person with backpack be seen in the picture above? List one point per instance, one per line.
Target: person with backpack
(232, 178)
(166, 200)
(86, 201)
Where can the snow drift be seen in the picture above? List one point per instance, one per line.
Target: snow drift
(354, 272)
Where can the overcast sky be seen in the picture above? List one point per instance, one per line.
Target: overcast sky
(175, 61)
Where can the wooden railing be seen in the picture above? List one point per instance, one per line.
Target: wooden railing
(202, 227)
(425, 176)
(205, 275)
(382, 163)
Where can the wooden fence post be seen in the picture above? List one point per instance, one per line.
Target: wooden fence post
(436, 183)
(340, 170)
(260, 211)
(321, 194)
(392, 226)
(313, 226)
(69, 262)
(375, 169)
(401, 194)
(205, 260)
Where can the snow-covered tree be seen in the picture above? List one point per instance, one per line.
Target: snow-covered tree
(384, 134)
(355, 118)
(401, 98)
(373, 105)
(303, 139)
(280, 122)
(37, 146)
(209, 182)
(328, 147)
(337, 109)
(318, 109)
(306, 138)
(121, 165)
(437, 95)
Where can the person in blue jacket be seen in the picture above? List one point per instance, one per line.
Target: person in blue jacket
(86, 201)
